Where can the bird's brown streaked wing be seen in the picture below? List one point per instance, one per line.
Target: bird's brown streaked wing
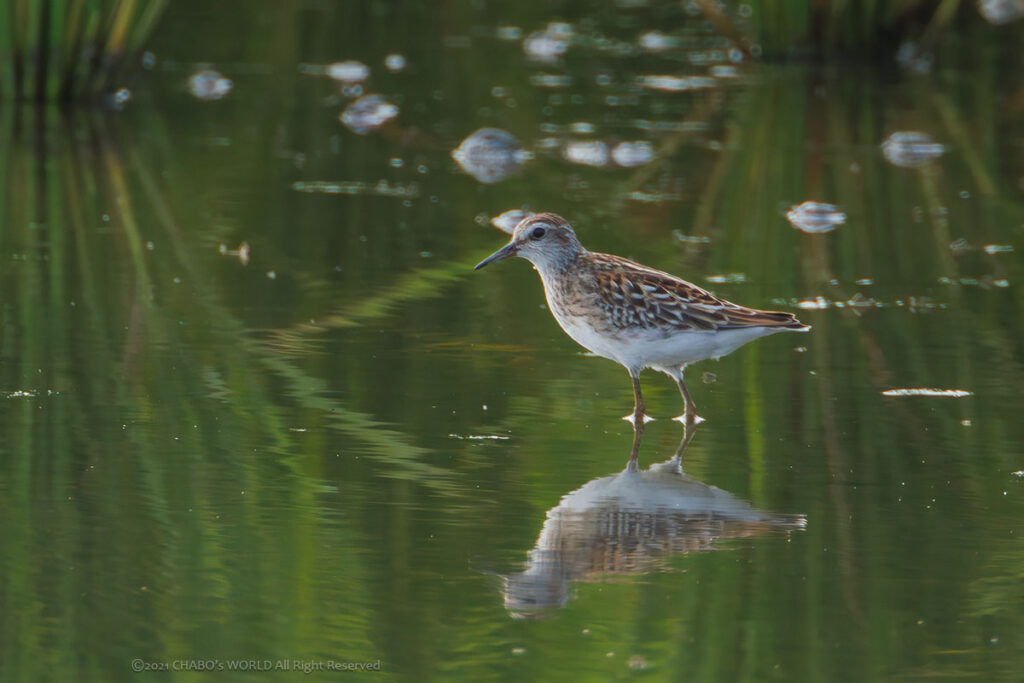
(635, 296)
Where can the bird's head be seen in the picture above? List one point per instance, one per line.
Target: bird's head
(546, 240)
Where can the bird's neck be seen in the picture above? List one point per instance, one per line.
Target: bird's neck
(557, 265)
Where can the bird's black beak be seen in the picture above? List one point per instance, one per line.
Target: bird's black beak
(509, 249)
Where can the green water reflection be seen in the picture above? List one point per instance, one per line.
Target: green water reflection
(344, 448)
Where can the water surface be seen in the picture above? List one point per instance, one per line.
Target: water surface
(259, 407)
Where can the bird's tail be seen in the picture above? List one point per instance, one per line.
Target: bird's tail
(752, 317)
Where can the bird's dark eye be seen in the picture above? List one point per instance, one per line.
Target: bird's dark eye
(537, 233)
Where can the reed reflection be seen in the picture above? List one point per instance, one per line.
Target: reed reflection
(626, 524)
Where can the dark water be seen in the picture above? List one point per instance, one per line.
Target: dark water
(350, 448)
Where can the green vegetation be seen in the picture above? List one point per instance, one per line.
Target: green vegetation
(850, 30)
(70, 50)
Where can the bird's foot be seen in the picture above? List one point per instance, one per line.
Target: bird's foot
(636, 417)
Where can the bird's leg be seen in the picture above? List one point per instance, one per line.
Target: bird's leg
(638, 432)
(689, 430)
(639, 415)
(689, 415)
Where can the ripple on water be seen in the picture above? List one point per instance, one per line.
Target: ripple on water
(669, 83)
(925, 391)
(914, 303)
(381, 188)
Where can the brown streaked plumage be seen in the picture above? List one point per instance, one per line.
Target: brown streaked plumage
(632, 314)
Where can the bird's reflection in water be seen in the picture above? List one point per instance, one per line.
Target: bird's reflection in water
(625, 524)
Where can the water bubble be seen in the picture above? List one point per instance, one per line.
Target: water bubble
(356, 187)
(560, 29)
(670, 83)
(727, 278)
(243, 253)
(394, 63)
(507, 221)
(543, 46)
(960, 246)
(148, 60)
(121, 97)
(912, 58)
(209, 85)
(637, 663)
(349, 71)
(368, 113)
(1000, 12)
(509, 33)
(586, 152)
(490, 155)
(632, 154)
(690, 239)
(911, 149)
(551, 80)
(656, 41)
(815, 217)
(723, 71)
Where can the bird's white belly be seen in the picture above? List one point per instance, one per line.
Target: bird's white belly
(643, 348)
